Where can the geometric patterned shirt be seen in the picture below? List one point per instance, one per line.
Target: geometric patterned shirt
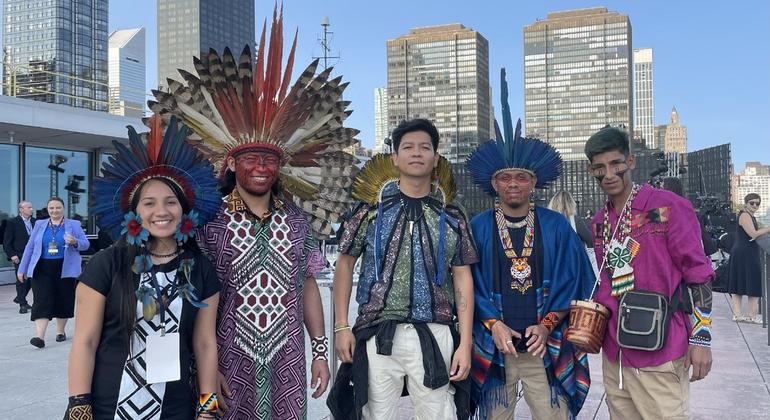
(262, 264)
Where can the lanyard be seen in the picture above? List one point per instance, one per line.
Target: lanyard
(159, 300)
(54, 229)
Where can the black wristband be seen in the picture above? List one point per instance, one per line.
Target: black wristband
(82, 399)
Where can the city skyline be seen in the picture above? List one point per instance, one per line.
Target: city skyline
(712, 77)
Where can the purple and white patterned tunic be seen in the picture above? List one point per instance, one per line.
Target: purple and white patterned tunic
(262, 265)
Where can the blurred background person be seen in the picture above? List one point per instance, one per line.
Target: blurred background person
(563, 203)
(52, 259)
(745, 278)
(15, 239)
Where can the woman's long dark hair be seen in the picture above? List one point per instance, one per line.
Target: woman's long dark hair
(125, 281)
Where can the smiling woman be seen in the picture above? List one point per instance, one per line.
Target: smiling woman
(153, 292)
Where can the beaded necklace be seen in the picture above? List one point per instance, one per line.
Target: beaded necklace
(521, 272)
(619, 247)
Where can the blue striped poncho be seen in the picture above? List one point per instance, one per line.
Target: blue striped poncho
(567, 274)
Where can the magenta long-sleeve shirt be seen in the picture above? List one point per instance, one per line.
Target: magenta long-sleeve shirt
(671, 251)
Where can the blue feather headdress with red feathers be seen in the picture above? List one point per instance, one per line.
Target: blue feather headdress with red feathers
(148, 156)
(512, 151)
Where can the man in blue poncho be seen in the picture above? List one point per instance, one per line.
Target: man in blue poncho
(532, 264)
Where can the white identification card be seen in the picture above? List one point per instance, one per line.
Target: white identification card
(162, 358)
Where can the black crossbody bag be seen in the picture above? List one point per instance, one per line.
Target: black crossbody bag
(644, 317)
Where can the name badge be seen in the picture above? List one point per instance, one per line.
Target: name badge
(53, 248)
(162, 358)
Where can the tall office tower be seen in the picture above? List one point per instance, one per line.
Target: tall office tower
(577, 77)
(188, 28)
(644, 106)
(127, 72)
(56, 51)
(675, 140)
(442, 73)
(380, 119)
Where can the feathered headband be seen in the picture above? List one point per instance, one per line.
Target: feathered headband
(380, 170)
(153, 155)
(237, 106)
(513, 152)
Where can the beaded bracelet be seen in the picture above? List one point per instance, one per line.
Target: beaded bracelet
(550, 321)
(208, 403)
(79, 408)
(700, 335)
(489, 323)
(319, 346)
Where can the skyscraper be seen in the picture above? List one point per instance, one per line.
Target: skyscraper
(442, 73)
(127, 72)
(644, 107)
(187, 28)
(675, 140)
(577, 77)
(380, 118)
(56, 51)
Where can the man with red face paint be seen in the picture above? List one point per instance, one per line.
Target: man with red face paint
(267, 259)
(285, 175)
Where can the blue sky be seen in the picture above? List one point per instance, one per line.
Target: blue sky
(712, 59)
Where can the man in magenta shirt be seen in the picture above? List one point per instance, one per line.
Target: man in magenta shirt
(663, 234)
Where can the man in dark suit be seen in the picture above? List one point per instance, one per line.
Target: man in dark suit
(15, 239)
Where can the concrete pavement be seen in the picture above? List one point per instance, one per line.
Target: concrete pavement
(34, 381)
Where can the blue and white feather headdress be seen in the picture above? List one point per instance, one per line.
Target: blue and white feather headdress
(513, 151)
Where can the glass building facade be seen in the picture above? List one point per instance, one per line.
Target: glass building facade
(644, 107)
(188, 28)
(441, 73)
(36, 174)
(56, 51)
(577, 77)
